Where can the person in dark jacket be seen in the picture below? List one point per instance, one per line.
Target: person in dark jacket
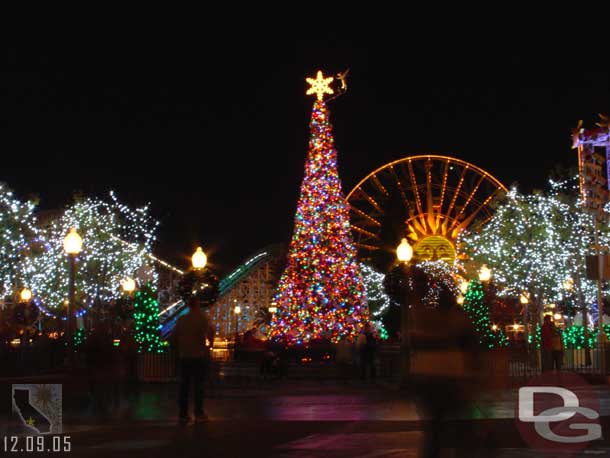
(190, 336)
(367, 346)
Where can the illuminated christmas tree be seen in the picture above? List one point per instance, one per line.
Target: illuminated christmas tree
(321, 292)
(146, 320)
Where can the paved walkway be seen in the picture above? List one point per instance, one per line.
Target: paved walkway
(290, 420)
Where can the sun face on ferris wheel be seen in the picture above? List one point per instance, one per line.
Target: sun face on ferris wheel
(439, 196)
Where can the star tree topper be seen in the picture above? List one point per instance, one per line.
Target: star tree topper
(319, 85)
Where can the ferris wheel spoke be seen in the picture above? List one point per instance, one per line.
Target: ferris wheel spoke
(401, 189)
(381, 188)
(365, 232)
(414, 187)
(470, 196)
(367, 217)
(370, 200)
(456, 193)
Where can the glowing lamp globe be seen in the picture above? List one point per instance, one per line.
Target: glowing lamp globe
(128, 285)
(199, 259)
(26, 295)
(404, 251)
(557, 316)
(485, 273)
(237, 309)
(464, 287)
(73, 243)
(523, 299)
(494, 327)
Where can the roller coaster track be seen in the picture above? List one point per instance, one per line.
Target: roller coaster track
(169, 316)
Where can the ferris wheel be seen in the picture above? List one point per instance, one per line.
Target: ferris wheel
(439, 195)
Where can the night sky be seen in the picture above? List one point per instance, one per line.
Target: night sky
(215, 137)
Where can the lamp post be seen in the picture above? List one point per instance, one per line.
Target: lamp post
(484, 274)
(25, 295)
(273, 308)
(73, 244)
(199, 259)
(129, 285)
(404, 254)
(236, 311)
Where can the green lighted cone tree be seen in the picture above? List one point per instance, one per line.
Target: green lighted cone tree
(478, 313)
(321, 292)
(146, 321)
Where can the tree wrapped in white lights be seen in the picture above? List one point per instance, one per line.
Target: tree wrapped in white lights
(377, 299)
(116, 242)
(17, 233)
(534, 243)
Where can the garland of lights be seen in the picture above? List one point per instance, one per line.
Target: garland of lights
(478, 313)
(105, 259)
(321, 293)
(535, 243)
(17, 232)
(440, 276)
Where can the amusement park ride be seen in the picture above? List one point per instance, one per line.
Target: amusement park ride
(440, 196)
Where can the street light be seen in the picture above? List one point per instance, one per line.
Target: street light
(484, 273)
(523, 298)
(464, 286)
(237, 311)
(26, 295)
(199, 259)
(273, 308)
(404, 251)
(73, 244)
(128, 284)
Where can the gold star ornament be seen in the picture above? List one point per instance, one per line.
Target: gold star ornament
(30, 421)
(319, 85)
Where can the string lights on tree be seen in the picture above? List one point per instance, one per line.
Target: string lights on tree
(18, 232)
(321, 292)
(105, 259)
(377, 299)
(478, 312)
(534, 242)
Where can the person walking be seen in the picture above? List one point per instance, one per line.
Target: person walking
(443, 376)
(190, 335)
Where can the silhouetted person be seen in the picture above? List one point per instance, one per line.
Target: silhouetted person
(367, 349)
(100, 368)
(190, 336)
(546, 344)
(128, 351)
(442, 370)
